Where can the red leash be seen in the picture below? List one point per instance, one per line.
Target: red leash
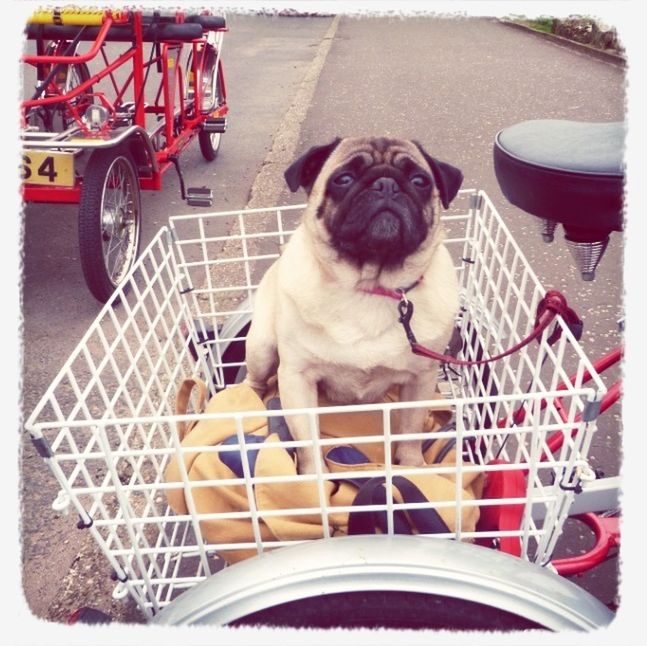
(553, 304)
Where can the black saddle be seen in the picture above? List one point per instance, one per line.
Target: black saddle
(567, 171)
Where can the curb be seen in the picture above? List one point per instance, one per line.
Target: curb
(616, 59)
(269, 183)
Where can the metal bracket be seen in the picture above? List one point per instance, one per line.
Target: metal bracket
(43, 447)
(171, 237)
(84, 523)
(476, 201)
(591, 410)
(122, 577)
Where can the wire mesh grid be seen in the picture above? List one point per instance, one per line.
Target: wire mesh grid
(108, 427)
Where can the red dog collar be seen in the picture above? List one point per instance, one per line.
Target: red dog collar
(396, 294)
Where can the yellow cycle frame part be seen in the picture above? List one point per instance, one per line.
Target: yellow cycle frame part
(75, 16)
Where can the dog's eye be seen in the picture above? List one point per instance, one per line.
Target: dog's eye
(345, 179)
(419, 180)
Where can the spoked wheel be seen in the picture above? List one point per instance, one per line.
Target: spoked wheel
(58, 116)
(71, 77)
(109, 220)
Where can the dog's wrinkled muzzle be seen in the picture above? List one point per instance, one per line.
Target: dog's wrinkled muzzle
(381, 225)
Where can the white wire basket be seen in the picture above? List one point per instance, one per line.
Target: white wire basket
(107, 426)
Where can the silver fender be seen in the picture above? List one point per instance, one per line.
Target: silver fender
(395, 563)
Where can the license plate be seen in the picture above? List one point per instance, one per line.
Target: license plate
(48, 168)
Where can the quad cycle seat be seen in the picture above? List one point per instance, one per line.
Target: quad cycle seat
(155, 28)
(570, 172)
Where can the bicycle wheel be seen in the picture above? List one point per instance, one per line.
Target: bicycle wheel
(209, 144)
(109, 220)
(212, 97)
(59, 117)
(369, 581)
(75, 75)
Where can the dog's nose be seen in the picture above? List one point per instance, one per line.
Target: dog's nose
(386, 185)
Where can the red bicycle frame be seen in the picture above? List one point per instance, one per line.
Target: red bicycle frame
(182, 119)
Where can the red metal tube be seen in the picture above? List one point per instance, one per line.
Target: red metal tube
(138, 72)
(80, 58)
(82, 87)
(607, 535)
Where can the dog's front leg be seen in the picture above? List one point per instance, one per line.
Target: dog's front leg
(298, 389)
(261, 345)
(411, 420)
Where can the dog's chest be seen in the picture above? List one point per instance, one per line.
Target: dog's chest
(348, 385)
(353, 367)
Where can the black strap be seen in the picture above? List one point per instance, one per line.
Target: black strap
(450, 443)
(373, 492)
(427, 520)
(278, 425)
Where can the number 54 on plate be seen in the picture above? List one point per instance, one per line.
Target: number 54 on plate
(48, 167)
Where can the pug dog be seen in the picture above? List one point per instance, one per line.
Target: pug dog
(325, 319)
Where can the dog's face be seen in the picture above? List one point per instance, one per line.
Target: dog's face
(376, 197)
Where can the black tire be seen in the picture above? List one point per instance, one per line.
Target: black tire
(87, 615)
(387, 609)
(209, 144)
(235, 353)
(210, 141)
(109, 220)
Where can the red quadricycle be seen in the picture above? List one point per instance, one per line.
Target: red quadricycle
(118, 96)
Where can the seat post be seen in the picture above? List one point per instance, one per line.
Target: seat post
(587, 255)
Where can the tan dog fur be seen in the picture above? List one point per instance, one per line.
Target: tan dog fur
(313, 323)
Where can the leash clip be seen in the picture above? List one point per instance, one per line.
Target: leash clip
(405, 307)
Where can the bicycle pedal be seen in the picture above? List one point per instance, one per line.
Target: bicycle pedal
(213, 126)
(199, 196)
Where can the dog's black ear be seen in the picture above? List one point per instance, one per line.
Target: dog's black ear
(304, 170)
(447, 177)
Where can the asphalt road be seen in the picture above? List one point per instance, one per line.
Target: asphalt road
(449, 83)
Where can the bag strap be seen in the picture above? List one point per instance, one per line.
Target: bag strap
(450, 443)
(278, 424)
(373, 492)
(182, 399)
(367, 522)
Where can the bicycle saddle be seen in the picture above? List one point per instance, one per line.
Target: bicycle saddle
(566, 171)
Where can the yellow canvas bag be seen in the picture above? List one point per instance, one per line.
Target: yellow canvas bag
(266, 459)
